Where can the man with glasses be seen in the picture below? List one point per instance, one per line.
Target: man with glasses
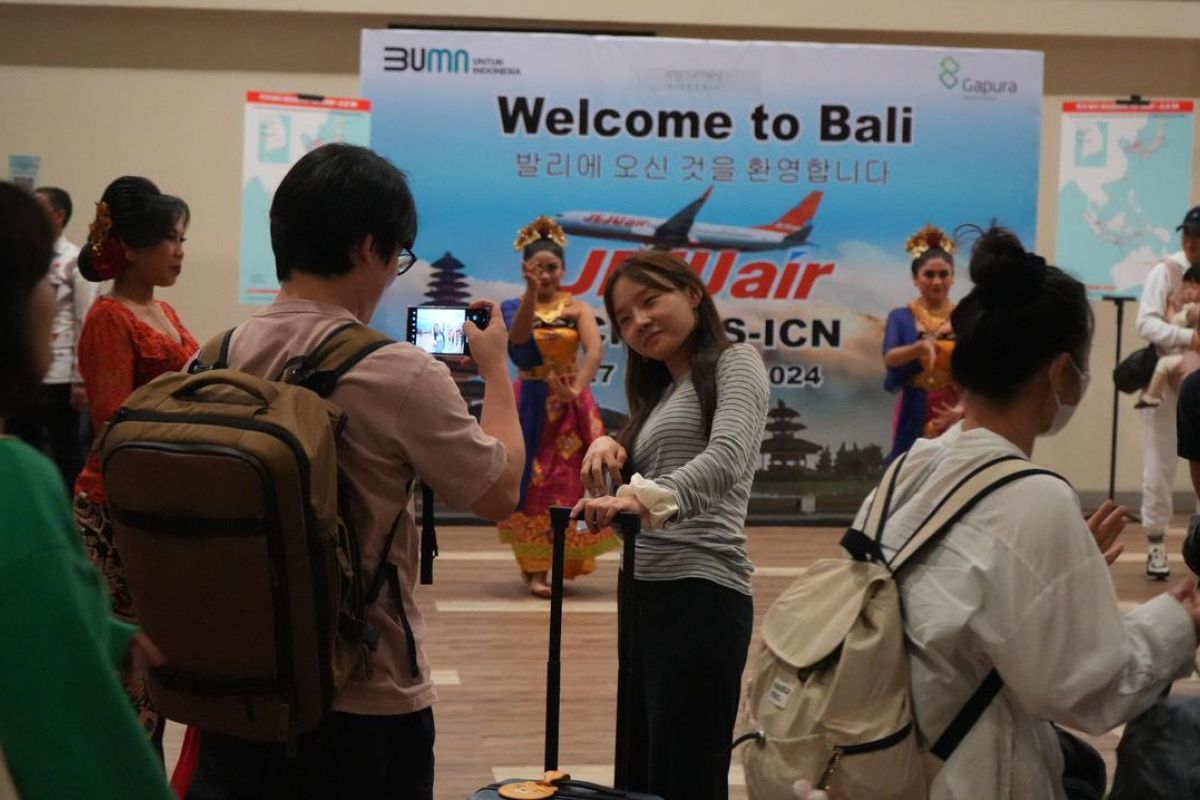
(342, 226)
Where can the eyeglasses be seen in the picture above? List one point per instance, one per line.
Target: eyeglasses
(404, 260)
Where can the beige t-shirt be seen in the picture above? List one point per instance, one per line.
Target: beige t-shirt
(405, 418)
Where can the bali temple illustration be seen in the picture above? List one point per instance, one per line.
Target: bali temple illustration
(448, 286)
(782, 450)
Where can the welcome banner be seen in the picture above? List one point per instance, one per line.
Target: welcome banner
(788, 175)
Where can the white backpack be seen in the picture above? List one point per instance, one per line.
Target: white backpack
(829, 692)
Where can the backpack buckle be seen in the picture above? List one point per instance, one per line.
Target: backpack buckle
(862, 547)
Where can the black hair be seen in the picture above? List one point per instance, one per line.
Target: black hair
(141, 216)
(330, 200)
(645, 378)
(1192, 274)
(1021, 315)
(541, 246)
(59, 200)
(26, 247)
(930, 255)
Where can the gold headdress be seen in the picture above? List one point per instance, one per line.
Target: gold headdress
(99, 227)
(929, 238)
(540, 228)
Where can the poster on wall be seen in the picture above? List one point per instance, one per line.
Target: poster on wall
(23, 170)
(1124, 183)
(788, 175)
(280, 128)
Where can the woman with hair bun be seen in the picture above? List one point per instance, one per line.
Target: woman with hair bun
(1019, 588)
(129, 338)
(559, 416)
(918, 342)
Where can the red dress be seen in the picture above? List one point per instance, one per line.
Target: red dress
(118, 353)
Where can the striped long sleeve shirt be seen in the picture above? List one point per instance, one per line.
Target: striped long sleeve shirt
(710, 477)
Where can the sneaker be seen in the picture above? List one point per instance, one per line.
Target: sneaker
(1157, 567)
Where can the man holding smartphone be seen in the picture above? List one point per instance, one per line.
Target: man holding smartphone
(343, 222)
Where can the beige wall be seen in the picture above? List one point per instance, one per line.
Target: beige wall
(1141, 18)
(98, 92)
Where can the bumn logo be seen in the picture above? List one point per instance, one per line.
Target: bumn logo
(425, 59)
(949, 76)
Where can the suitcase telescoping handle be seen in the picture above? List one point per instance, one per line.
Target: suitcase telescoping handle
(630, 525)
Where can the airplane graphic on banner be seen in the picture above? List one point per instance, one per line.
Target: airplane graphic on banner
(681, 230)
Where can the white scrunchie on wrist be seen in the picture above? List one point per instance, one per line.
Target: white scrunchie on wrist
(661, 502)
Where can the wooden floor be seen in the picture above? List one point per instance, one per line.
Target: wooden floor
(486, 641)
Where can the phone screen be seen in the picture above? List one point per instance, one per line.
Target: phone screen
(438, 330)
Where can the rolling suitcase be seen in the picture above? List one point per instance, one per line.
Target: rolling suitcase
(557, 784)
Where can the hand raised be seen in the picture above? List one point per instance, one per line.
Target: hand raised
(602, 463)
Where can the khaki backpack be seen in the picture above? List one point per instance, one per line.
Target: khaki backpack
(223, 489)
(829, 690)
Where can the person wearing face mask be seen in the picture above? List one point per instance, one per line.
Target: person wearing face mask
(917, 344)
(1021, 584)
(1164, 287)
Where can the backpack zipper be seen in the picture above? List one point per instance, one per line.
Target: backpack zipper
(840, 751)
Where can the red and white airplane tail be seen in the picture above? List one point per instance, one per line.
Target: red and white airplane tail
(796, 218)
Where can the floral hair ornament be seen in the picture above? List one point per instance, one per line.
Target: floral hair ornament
(931, 237)
(540, 228)
(99, 228)
(108, 254)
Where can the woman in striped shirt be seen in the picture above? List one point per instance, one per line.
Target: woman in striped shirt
(698, 407)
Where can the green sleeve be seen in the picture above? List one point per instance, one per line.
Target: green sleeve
(67, 727)
(119, 635)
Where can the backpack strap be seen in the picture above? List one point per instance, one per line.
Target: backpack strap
(388, 574)
(964, 496)
(863, 545)
(949, 511)
(967, 716)
(214, 354)
(335, 355)
(429, 544)
(340, 351)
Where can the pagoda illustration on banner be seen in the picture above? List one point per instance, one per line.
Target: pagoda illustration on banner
(448, 285)
(782, 450)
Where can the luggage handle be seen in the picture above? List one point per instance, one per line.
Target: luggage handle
(630, 525)
(265, 394)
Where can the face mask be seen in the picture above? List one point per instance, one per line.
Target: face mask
(1064, 413)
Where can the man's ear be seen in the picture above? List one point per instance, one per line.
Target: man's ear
(362, 250)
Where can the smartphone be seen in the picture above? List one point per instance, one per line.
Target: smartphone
(438, 330)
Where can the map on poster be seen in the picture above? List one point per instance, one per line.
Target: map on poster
(280, 129)
(1124, 183)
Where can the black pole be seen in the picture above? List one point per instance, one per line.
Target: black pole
(1119, 301)
(559, 519)
(630, 525)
